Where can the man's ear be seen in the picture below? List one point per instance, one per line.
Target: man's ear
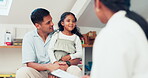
(37, 25)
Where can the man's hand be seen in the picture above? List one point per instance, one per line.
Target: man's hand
(51, 76)
(66, 58)
(56, 62)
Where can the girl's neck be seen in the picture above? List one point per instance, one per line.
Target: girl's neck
(67, 33)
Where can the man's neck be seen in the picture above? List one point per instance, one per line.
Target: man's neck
(43, 35)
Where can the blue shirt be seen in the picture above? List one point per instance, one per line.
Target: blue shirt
(34, 49)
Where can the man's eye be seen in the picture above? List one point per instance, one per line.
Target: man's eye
(48, 22)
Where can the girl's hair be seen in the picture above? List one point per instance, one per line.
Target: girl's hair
(75, 30)
(116, 5)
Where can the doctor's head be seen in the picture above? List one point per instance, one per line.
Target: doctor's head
(106, 8)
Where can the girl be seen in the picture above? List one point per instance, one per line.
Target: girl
(66, 45)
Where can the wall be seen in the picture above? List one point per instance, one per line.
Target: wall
(19, 30)
(84, 30)
(10, 58)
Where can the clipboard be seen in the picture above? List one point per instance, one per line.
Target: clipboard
(62, 74)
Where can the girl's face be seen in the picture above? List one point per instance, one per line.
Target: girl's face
(69, 23)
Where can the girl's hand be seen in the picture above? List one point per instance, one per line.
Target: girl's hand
(86, 76)
(66, 58)
(62, 63)
(63, 66)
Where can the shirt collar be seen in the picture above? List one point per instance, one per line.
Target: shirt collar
(117, 16)
(37, 35)
(48, 38)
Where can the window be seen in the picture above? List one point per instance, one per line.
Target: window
(2, 3)
(5, 6)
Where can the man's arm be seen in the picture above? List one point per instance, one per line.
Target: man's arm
(42, 67)
(29, 56)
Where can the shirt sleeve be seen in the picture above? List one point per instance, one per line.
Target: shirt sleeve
(28, 52)
(51, 48)
(78, 46)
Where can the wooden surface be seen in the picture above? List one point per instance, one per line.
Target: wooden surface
(86, 45)
(10, 46)
(83, 45)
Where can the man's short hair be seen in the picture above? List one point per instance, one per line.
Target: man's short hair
(38, 14)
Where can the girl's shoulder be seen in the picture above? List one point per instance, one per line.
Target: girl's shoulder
(76, 37)
(55, 32)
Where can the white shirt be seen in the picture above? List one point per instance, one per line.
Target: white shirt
(120, 50)
(34, 49)
(60, 35)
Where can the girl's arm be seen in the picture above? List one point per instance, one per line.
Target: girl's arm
(51, 48)
(78, 46)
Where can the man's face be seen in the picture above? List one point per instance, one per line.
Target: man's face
(47, 25)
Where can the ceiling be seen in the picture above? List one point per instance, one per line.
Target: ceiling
(20, 11)
(89, 19)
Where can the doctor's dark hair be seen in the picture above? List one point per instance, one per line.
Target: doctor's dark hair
(116, 5)
(38, 14)
(76, 30)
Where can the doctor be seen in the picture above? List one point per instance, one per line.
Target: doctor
(121, 48)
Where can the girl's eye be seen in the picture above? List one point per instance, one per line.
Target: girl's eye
(68, 20)
(73, 21)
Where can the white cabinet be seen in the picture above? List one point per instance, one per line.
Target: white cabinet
(87, 57)
(10, 60)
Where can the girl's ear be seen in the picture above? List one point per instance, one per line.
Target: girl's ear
(62, 23)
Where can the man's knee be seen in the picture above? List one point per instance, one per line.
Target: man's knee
(24, 72)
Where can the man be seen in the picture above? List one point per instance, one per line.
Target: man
(35, 47)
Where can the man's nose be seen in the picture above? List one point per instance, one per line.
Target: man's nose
(52, 23)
